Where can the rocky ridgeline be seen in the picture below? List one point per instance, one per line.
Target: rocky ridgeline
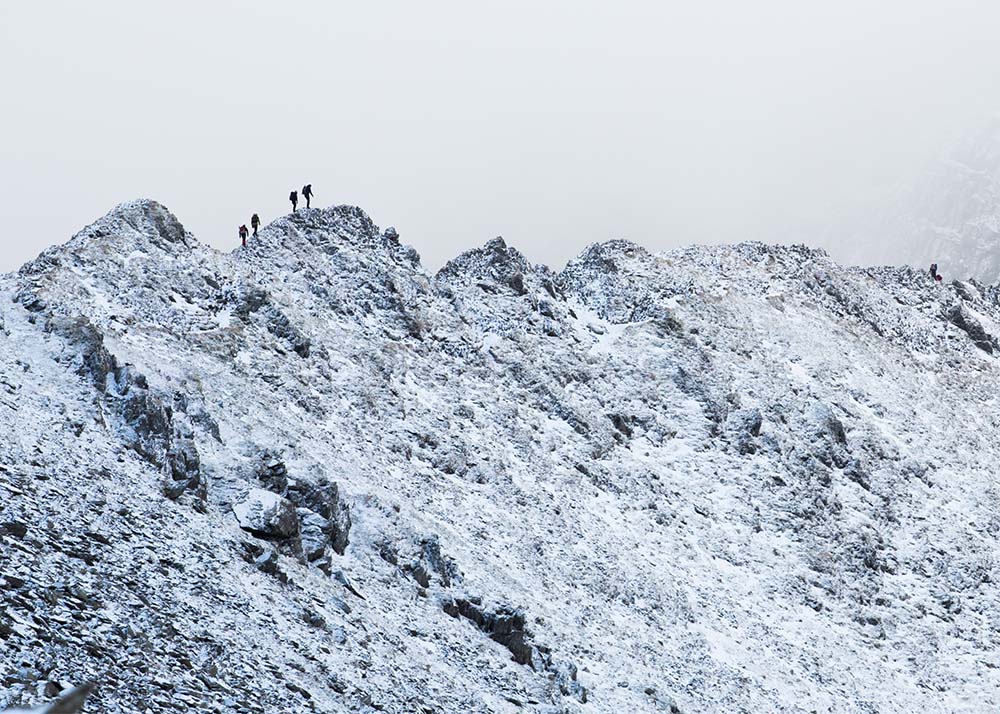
(310, 476)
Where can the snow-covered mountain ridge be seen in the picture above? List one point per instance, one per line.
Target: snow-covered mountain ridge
(311, 476)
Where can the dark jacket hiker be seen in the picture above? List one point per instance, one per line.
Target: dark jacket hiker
(307, 193)
(294, 198)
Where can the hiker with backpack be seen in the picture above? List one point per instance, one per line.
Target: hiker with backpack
(307, 192)
(934, 272)
(294, 198)
(255, 223)
(243, 234)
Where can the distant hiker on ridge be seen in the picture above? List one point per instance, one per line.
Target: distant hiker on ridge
(934, 270)
(294, 198)
(243, 234)
(307, 193)
(255, 223)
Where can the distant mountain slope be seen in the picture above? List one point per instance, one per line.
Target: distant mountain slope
(309, 476)
(949, 215)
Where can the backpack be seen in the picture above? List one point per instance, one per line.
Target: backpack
(293, 196)
(307, 190)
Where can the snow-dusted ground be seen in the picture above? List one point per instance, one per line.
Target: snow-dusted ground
(729, 479)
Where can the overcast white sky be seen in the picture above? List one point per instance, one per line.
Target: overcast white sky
(554, 124)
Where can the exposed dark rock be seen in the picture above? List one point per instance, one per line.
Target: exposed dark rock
(167, 227)
(421, 575)
(963, 320)
(388, 552)
(314, 534)
(252, 301)
(325, 518)
(313, 618)
(596, 277)
(273, 473)
(267, 515)
(30, 301)
(147, 419)
(436, 562)
(465, 403)
(16, 528)
(267, 562)
(324, 500)
(621, 423)
(258, 302)
(250, 550)
(855, 472)
(504, 625)
(507, 626)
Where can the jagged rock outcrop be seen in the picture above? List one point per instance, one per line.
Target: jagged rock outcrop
(491, 268)
(507, 626)
(719, 479)
(267, 515)
(960, 317)
(148, 421)
(257, 302)
(324, 518)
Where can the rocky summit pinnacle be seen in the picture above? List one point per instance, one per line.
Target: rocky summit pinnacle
(311, 476)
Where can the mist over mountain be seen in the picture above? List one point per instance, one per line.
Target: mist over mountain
(948, 214)
(311, 476)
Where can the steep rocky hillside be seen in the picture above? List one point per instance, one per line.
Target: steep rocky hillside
(309, 476)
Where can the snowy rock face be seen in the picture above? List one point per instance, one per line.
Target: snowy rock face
(267, 515)
(950, 215)
(308, 476)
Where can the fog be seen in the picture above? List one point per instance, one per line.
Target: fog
(554, 124)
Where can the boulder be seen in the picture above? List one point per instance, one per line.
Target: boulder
(267, 515)
(324, 500)
(314, 534)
